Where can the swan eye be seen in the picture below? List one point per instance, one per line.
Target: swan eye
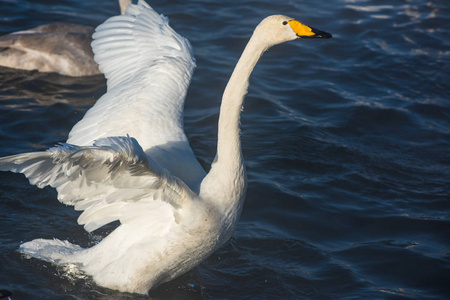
(285, 23)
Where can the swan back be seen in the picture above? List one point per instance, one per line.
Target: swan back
(63, 48)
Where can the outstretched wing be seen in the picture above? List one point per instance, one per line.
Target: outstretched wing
(148, 67)
(112, 180)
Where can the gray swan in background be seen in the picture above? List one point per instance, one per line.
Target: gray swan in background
(63, 48)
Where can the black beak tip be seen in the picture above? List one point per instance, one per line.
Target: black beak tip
(326, 35)
(321, 34)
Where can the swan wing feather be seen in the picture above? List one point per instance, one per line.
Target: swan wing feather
(148, 67)
(111, 180)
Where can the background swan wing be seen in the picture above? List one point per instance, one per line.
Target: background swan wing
(148, 67)
(112, 180)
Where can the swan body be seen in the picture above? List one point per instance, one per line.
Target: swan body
(63, 48)
(128, 159)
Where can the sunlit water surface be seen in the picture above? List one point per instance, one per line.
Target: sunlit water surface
(347, 147)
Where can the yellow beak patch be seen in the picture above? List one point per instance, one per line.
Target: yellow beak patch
(300, 29)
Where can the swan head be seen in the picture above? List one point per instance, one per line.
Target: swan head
(278, 29)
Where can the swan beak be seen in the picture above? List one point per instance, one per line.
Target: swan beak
(306, 32)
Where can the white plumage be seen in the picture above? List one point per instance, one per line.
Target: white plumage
(129, 160)
(148, 67)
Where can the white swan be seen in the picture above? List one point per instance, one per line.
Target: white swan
(128, 159)
(63, 48)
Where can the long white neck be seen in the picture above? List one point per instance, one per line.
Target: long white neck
(225, 184)
(226, 181)
(229, 144)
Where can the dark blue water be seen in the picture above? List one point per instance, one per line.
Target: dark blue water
(347, 146)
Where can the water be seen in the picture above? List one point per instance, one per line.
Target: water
(346, 142)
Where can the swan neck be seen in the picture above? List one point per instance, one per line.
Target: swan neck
(228, 144)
